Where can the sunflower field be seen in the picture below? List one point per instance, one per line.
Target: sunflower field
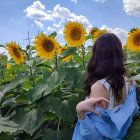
(41, 84)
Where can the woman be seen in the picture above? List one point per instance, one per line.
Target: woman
(110, 99)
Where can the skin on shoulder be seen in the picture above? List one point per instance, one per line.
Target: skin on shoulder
(98, 90)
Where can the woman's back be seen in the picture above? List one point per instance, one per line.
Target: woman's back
(108, 124)
(103, 120)
(114, 105)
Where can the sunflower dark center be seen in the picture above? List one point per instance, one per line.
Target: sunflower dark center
(75, 34)
(93, 31)
(48, 45)
(16, 52)
(137, 40)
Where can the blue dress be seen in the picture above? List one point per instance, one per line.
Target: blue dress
(108, 125)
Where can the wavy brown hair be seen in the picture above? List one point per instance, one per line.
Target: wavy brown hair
(106, 62)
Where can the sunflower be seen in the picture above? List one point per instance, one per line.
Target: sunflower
(45, 46)
(8, 66)
(59, 52)
(132, 30)
(99, 33)
(92, 31)
(133, 40)
(15, 52)
(74, 34)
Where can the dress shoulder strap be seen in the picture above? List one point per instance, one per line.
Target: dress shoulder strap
(127, 87)
(108, 88)
(105, 83)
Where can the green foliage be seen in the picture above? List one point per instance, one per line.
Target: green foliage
(132, 65)
(30, 120)
(6, 136)
(38, 98)
(134, 131)
(45, 86)
(7, 126)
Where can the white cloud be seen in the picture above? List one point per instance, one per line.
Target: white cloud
(39, 24)
(121, 33)
(60, 15)
(50, 29)
(132, 7)
(37, 11)
(102, 1)
(75, 1)
(60, 12)
(57, 25)
(2, 51)
(82, 19)
(64, 15)
(89, 42)
(57, 17)
(60, 31)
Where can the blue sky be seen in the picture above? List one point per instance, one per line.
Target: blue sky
(21, 16)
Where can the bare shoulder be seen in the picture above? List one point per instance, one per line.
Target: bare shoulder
(97, 87)
(98, 90)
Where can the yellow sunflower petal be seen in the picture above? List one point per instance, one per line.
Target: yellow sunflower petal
(92, 31)
(45, 46)
(67, 58)
(59, 52)
(15, 52)
(98, 33)
(74, 34)
(133, 40)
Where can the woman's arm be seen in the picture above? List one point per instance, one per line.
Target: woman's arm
(99, 96)
(88, 106)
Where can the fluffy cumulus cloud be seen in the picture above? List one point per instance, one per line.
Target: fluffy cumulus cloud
(64, 15)
(75, 1)
(58, 16)
(39, 24)
(132, 7)
(121, 33)
(60, 12)
(50, 29)
(37, 11)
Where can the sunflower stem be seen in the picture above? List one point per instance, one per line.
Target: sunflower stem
(31, 75)
(56, 63)
(30, 68)
(83, 56)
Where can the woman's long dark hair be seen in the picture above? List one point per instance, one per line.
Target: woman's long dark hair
(106, 62)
